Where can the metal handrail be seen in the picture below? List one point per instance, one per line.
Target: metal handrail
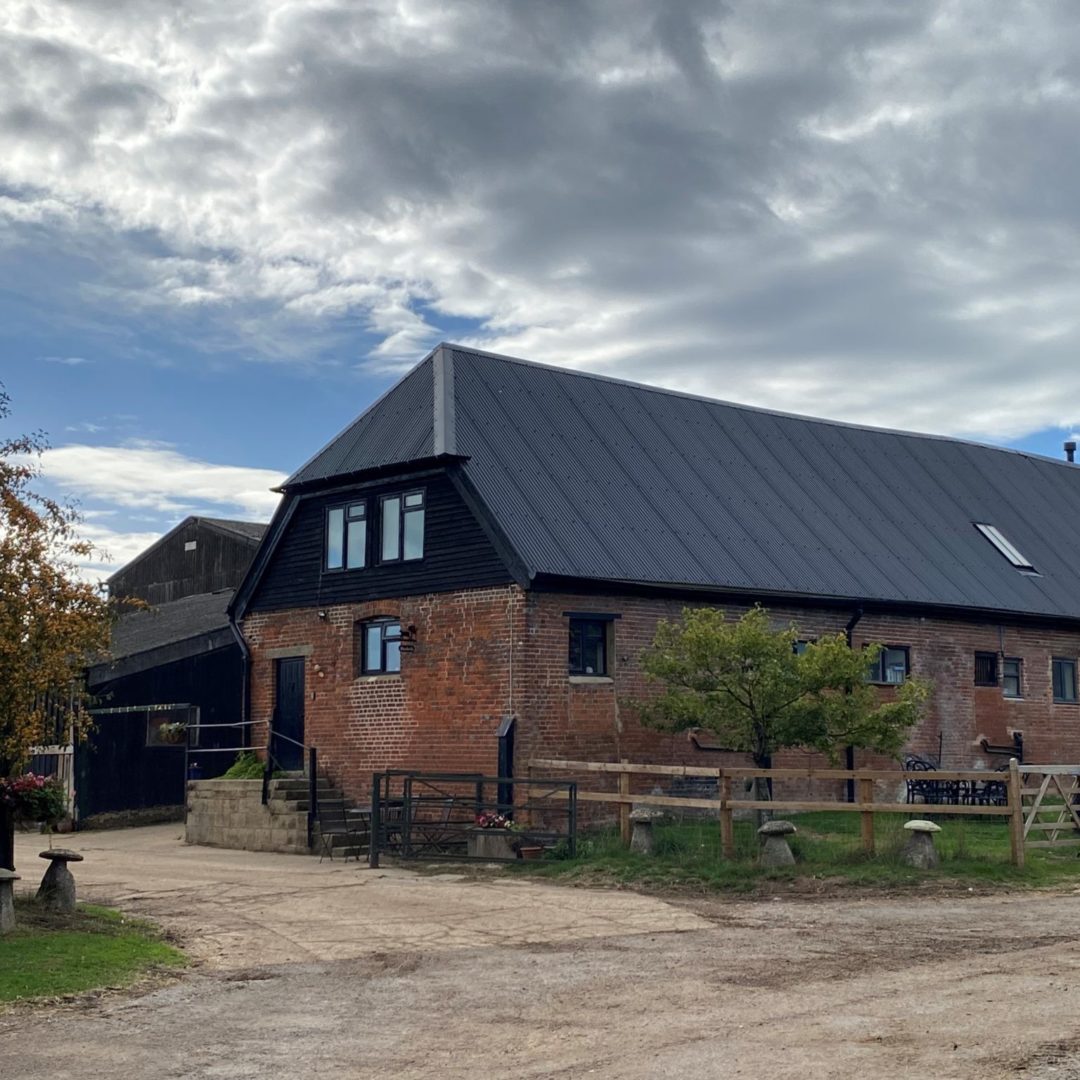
(312, 771)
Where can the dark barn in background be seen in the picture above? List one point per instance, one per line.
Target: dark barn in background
(179, 652)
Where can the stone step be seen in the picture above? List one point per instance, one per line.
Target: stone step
(300, 784)
(330, 797)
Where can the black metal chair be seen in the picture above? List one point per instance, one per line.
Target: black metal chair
(928, 791)
(336, 826)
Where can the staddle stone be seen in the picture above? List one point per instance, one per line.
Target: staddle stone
(57, 890)
(7, 900)
(919, 851)
(775, 850)
(919, 825)
(642, 840)
(60, 854)
(776, 828)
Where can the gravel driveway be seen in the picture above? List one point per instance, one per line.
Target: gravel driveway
(309, 970)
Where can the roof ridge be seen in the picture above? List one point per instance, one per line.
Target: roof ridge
(828, 421)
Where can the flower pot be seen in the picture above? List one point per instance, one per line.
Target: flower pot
(491, 844)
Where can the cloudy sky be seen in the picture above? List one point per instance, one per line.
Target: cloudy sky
(224, 228)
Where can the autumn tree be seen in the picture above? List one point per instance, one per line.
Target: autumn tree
(51, 621)
(761, 689)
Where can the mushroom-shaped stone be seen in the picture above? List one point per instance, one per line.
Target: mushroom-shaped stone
(919, 851)
(57, 890)
(7, 899)
(774, 846)
(641, 836)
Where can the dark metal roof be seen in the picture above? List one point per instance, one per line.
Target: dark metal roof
(398, 428)
(594, 478)
(166, 624)
(249, 530)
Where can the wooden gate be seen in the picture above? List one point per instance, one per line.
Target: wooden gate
(1050, 795)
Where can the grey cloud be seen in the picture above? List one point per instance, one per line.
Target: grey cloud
(866, 210)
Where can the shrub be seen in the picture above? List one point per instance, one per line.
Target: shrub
(247, 766)
(34, 798)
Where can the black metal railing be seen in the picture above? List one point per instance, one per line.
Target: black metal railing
(416, 815)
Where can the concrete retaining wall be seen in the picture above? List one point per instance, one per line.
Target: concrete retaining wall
(230, 814)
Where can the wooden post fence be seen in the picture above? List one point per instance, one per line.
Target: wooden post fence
(725, 804)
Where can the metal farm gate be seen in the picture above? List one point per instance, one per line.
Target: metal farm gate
(416, 815)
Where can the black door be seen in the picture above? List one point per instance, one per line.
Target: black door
(289, 714)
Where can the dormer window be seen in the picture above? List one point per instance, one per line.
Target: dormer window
(346, 537)
(997, 538)
(403, 527)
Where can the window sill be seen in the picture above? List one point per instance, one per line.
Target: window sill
(590, 680)
(1059, 701)
(392, 676)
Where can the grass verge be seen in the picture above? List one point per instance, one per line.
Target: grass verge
(974, 853)
(47, 956)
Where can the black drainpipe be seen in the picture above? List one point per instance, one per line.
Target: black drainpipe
(849, 751)
(245, 679)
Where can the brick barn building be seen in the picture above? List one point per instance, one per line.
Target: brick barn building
(494, 541)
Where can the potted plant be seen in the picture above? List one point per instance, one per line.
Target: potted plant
(34, 799)
(172, 732)
(493, 836)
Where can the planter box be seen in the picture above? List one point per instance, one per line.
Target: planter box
(491, 844)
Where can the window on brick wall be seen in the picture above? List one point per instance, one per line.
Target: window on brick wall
(589, 645)
(1064, 680)
(402, 527)
(892, 665)
(380, 646)
(986, 669)
(346, 536)
(1012, 677)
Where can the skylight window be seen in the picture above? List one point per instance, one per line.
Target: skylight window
(995, 536)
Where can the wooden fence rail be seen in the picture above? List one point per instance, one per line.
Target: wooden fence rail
(726, 803)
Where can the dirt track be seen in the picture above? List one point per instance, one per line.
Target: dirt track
(309, 971)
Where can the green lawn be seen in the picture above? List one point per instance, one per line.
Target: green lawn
(97, 947)
(974, 852)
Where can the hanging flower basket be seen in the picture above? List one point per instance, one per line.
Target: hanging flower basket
(172, 734)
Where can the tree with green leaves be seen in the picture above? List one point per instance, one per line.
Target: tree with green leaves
(760, 690)
(51, 620)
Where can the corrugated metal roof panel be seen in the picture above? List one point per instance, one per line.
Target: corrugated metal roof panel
(395, 430)
(599, 479)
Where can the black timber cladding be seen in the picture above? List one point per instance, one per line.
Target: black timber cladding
(171, 568)
(593, 479)
(457, 552)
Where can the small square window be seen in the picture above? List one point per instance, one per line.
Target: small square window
(1012, 682)
(892, 666)
(986, 669)
(1064, 680)
(589, 647)
(380, 647)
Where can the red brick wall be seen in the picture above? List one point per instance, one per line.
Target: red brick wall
(462, 677)
(440, 713)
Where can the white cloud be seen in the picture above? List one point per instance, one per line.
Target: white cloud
(68, 361)
(832, 207)
(151, 477)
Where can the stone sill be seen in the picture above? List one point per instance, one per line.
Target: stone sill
(591, 680)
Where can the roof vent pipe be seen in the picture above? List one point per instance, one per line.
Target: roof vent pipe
(1070, 452)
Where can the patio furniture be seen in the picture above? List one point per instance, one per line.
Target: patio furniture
(338, 829)
(929, 790)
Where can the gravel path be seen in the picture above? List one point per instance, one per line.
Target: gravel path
(330, 971)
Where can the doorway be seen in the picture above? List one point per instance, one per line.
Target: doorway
(287, 743)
